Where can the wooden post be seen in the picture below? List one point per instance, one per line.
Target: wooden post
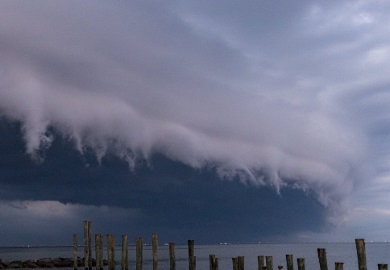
(101, 251)
(111, 251)
(269, 263)
(235, 263)
(86, 243)
(172, 259)
(90, 245)
(193, 263)
(382, 266)
(339, 266)
(138, 253)
(290, 262)
(213, 261)
(155, 250)
(125, 253)
(301, 263)
(190, 248)
(240, 262)
(260, 262)
(191, 257)
(322, 258)
(97, 253)
(361, 253)
(75, 257)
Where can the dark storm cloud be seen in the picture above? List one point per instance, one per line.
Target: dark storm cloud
(165, 197)
(274, 94)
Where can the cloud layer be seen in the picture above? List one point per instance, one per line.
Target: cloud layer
(274, 93)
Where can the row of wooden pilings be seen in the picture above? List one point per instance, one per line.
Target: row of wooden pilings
(264, 262)
(238, 263)
(99, 263)
(361, 253)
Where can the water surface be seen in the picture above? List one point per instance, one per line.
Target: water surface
(336, 252)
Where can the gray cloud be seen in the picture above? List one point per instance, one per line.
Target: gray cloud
(297, 92)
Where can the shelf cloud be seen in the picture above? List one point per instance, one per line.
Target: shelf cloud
(272, 94)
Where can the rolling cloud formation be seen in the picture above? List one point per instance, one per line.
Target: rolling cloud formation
(274, 93)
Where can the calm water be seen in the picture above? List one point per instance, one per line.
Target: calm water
(336, 252)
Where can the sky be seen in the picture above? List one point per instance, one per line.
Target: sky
(219, 122)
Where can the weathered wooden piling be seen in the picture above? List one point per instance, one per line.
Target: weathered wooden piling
(322, 258)
(193, 263)
(111, 251)
(90, 245)
(190, 248)
(97, 241)
(290, 262)
(301, 263)
(125, 253)
(382, 266)
(235, 263)
(241, 262)
(339, 265)
(100, 251)
(260, 262)
(361, 253)
(191, 256)
(87, 245)
(138, 253)
(97, 254)
(155, 251)
(75, 255)
(213, 261)
(269, 262)
(172, 258)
